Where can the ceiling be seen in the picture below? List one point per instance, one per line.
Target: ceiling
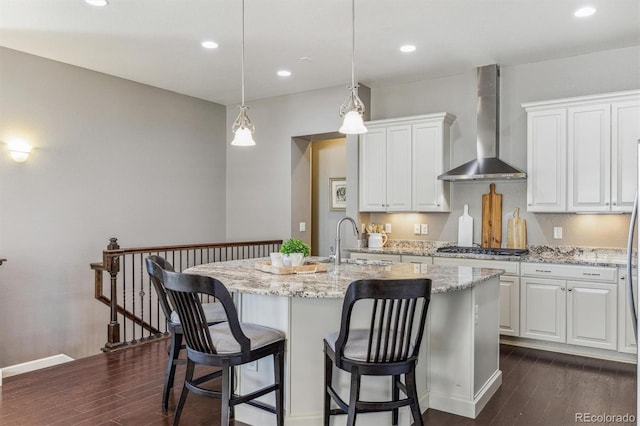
(157, 42)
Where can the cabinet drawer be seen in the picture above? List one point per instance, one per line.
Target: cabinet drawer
(583, 273)
(411, 258)
(510, 267)
(375, 256)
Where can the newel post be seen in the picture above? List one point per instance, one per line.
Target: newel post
(112, 265)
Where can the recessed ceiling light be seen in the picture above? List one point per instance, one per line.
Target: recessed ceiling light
(97, 2)
(408, 48)
(584, 12)
(284, 73)
(209, 44)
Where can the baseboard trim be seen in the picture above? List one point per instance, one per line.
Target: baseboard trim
(37, 364)
(569, 349)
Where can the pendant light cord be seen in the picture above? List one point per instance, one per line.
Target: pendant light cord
(353, 44)
(242, 68)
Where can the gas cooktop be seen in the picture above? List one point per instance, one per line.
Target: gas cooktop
(483, 250)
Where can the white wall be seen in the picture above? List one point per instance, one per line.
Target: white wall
(111, 158)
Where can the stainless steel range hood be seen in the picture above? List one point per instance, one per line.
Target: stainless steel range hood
(487, 165)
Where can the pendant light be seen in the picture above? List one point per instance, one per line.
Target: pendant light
(243, 128)
(352, 108)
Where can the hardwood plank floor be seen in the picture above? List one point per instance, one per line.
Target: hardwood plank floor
(124, 388)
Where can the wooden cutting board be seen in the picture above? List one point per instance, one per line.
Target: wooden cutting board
(516, 231)
(492, 218)
(465, 228)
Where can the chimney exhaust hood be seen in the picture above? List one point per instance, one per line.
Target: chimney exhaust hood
(487, 165)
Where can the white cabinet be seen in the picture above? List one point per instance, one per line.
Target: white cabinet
(625, 127)
(626, 338)
(509, 289)
(399, 162)
(569, 304)
(581, 153)
(589, 153)
(542, 309)
(546, 161)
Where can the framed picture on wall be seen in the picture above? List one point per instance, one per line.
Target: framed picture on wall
(338, 194)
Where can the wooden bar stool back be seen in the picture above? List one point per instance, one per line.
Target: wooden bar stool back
(389, 346)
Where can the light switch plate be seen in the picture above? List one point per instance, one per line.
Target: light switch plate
(424, 229)
(416, 229)
(387, 228)
(303, 226)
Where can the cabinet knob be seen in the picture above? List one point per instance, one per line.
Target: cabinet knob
(606, 203)
(615, 203)
(562, 288)
(570, 289)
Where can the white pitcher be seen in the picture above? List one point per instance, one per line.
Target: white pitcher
(377, 240)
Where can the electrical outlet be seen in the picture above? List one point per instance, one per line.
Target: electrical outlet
(557, 232)
(252, 366)
(387, 228)
(416, 229)
(303, 226)
(424, 229)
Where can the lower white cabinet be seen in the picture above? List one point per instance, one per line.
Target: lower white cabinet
(626, 338)
(560, 309)
(509, 289)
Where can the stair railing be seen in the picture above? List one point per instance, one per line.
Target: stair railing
(135, 316)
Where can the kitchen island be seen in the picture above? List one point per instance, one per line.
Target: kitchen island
(458, 367)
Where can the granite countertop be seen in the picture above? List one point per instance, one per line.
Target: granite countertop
(588, 256)
(241, 276)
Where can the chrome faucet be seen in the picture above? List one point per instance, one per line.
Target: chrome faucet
(355, 232)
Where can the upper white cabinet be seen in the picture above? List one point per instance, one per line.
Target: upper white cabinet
(581, 153)
(400, 160)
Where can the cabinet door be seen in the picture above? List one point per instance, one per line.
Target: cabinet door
(543, 309)
(398, 169)
(547, 160)
(372, 175)
(509, 305)
(589, 154)
(625, 133)
(429, 193)
(626, 338)
(591, 314)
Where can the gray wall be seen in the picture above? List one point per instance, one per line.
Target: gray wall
(111, 158)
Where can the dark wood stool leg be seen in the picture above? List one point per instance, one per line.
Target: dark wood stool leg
(174, 352)
(395, 396)
(354, 395)
(183, 396)
(278, 365)
(225, 387)
(328, 372)
(412, 392)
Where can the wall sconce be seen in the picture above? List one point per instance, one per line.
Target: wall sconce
(19, 150)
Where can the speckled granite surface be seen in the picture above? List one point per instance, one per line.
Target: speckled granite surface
(590, 256)
(241, 275)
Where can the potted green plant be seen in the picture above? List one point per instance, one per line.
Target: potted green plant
(294, 245)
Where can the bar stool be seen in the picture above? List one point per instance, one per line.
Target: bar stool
(223, 345)
(397, 313)
(214, 312)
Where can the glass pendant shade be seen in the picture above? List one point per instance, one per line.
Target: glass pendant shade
(352, 110)
(243, 129)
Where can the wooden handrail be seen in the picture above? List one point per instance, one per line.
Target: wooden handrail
(128, 277)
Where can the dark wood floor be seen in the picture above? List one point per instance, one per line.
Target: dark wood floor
(123, 388)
